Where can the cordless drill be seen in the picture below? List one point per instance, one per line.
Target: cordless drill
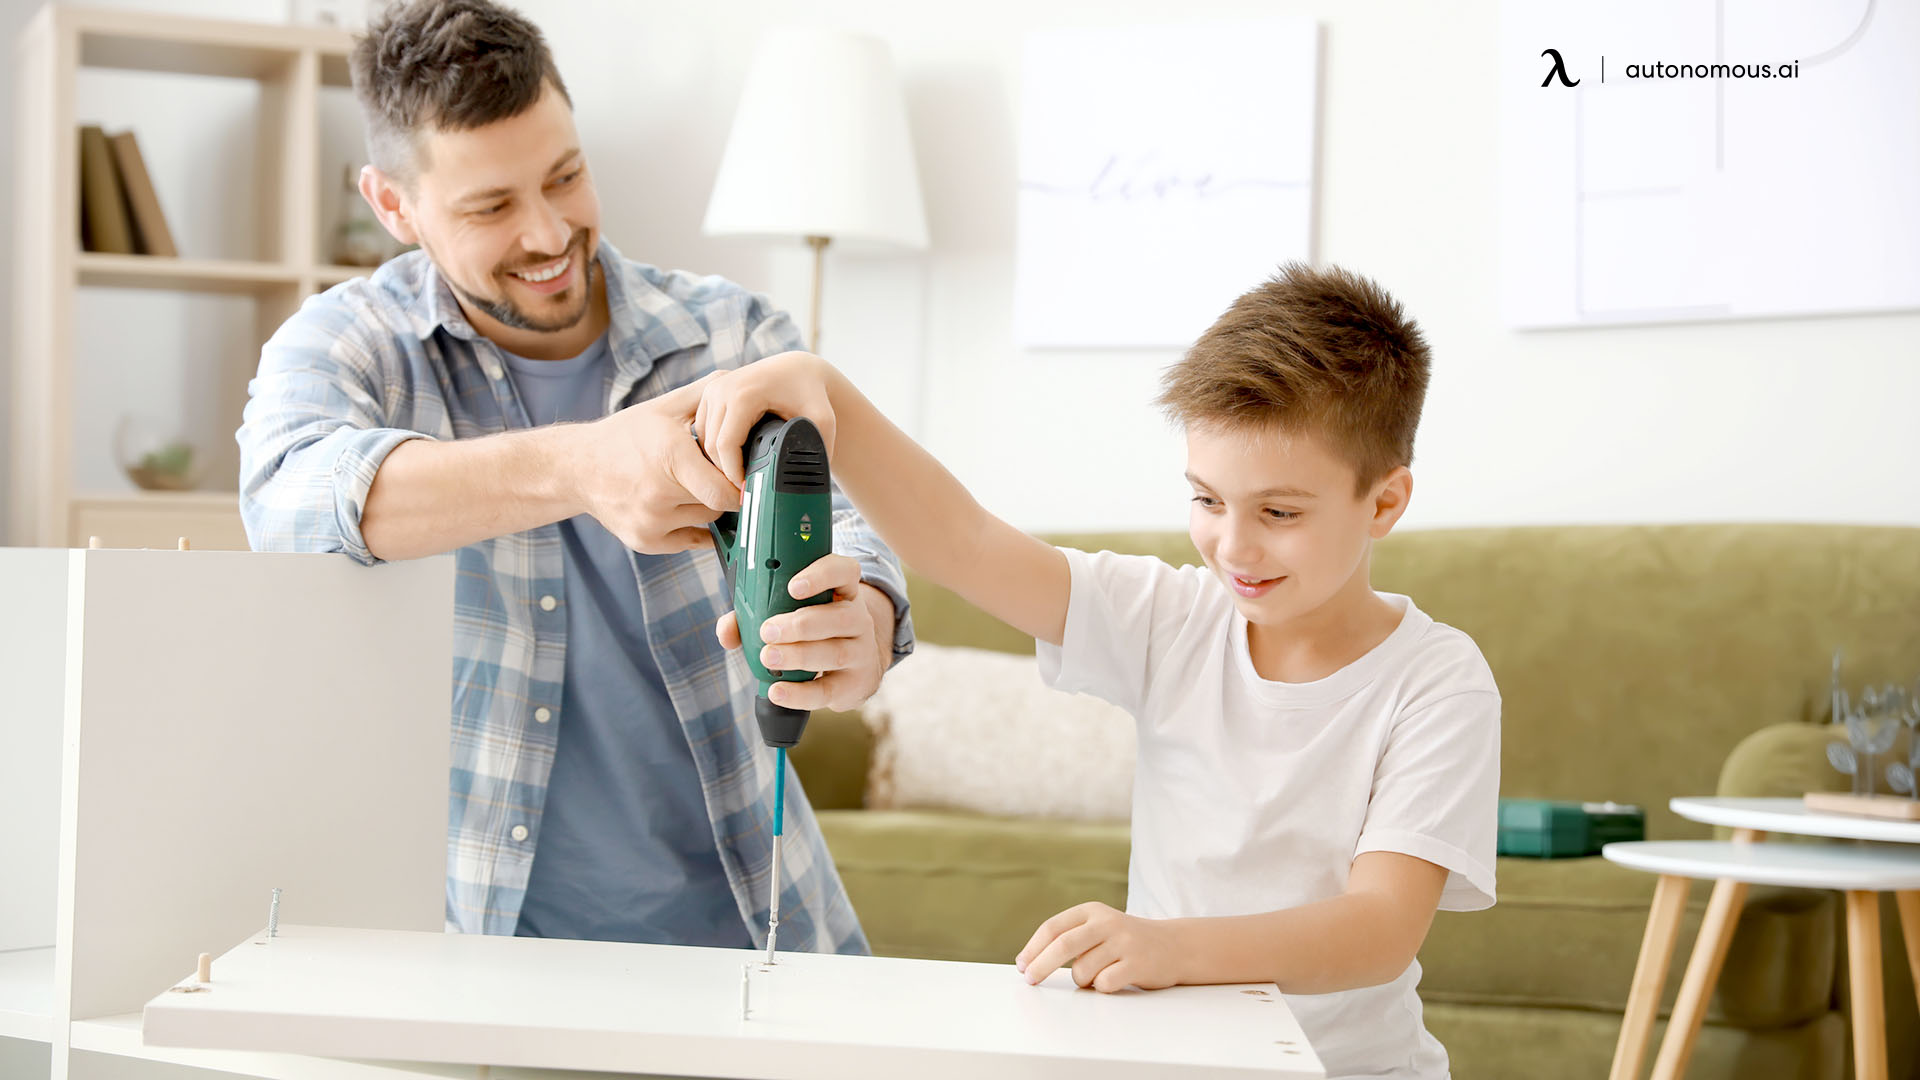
(784, 525)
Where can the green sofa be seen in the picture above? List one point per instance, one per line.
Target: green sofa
(1636, 664)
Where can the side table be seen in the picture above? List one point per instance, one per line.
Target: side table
(1859, 871)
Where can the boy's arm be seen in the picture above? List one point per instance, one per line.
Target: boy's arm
(1364, 937)
(929, 520)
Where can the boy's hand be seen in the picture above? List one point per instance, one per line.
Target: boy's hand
(788, 385)
(848, 641)
(1109, 950)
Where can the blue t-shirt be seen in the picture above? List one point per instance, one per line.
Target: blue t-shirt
(626, 851)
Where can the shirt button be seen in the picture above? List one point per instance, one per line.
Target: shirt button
(519, 832)
(548, 603)
(542, 714)
(493, 371)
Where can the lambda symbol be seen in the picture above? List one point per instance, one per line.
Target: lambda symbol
(1559, 68)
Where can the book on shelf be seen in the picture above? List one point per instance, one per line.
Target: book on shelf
(119, 209)
(104, 224)
(150, 224)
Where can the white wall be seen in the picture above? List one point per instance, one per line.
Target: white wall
(1801, 420)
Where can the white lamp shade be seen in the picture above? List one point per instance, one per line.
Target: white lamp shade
(819, 146)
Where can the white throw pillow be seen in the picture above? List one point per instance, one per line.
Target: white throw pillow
(970, 729)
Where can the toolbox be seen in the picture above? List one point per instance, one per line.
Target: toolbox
(1551, 829)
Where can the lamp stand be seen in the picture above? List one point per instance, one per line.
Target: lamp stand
(819, 246)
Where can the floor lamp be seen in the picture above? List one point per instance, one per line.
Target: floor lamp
(819, 150)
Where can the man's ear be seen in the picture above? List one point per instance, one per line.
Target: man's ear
(389, 204)
(1390, 497)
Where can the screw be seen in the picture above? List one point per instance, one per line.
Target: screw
(273, 916)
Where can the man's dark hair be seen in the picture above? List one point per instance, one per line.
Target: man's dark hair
(445, 65)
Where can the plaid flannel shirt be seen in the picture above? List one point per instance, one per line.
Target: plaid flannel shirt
(374, 362)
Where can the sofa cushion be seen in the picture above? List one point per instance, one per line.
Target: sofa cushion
(976, 730)
(1566, 933)
(949, 886)
(1631, 659)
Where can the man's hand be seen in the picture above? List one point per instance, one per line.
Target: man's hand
(788, 385)
(1109, 950)
(640, 473)
(849, 641)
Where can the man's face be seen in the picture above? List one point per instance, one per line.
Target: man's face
(1275, 516)
(509, 215)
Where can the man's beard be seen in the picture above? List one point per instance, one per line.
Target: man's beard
(509, 314)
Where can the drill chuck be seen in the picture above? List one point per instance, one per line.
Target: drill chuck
(779, 726)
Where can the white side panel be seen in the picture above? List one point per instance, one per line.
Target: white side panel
(33, 640)
(242, 721)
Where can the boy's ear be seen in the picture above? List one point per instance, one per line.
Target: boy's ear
(1390, 497)
(390, 204)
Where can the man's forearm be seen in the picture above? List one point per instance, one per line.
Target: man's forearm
(1349, 941)
(429, 497)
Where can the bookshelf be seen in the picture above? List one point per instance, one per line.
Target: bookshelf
(292, 65)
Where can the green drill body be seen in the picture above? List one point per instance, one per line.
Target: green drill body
(783, 526)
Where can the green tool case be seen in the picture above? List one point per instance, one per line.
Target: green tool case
(1546, 829)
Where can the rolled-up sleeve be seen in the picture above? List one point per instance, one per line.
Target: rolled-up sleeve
(315, 431)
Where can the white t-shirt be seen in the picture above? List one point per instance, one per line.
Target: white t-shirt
(1252, 796)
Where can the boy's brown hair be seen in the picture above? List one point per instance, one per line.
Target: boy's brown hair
(445, 65)
(1322, 350)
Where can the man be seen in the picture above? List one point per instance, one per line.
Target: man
(520, 393)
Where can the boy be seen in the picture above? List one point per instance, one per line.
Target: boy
(1318, 763)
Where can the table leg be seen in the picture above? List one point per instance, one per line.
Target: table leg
(1650, 975)
(1910, 929)
(1863, 975)
(1703, 970)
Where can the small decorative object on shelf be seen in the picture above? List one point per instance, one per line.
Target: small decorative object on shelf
(153, 457)
(343, 14)
(1873, 724)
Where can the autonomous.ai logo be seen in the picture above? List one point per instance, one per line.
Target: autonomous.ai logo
(1559, 69)
(1718, 69)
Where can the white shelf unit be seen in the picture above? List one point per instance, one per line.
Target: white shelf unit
(291, 64)
(159, 780)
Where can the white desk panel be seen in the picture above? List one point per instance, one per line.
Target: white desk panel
(666, 1009)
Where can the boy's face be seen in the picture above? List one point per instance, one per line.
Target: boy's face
(507, 212)
(1276, 517)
